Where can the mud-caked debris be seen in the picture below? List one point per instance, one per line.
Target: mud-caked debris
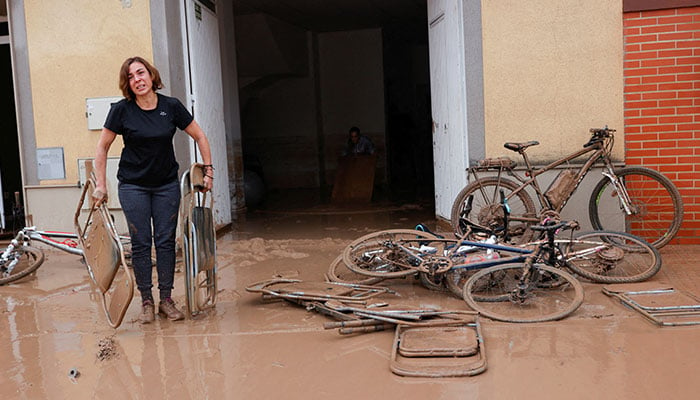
(107, 349)
(73, 373)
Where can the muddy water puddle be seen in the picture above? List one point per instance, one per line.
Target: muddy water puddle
(249, 349)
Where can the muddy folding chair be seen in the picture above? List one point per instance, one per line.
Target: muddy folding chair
(104, 256)
(662, 305)
(296, 290)
(428, 342)
(385, 316)
(439, 351)
(198, 241)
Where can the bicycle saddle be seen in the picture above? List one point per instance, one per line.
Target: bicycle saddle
(520, 146)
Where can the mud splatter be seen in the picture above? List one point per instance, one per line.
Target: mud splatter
(107, 349)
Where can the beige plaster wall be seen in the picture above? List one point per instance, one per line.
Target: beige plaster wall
(552, 70)
(75, 50)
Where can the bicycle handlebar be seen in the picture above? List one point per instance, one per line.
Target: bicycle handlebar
(601, 132)
(598, 134)
(554, 227)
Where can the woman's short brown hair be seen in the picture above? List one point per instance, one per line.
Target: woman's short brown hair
(124, 76)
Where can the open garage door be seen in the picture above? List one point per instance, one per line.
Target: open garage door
(448, 99)
(206, 95)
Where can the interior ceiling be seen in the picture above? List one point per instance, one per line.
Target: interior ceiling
(337, 15)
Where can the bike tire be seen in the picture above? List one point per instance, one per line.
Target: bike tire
(612, 257)
(434, 282)
(660, 206)
(542, 304)
(370, 255)
(456, 278)
(31, 259)
(339, 272)
(486, 207)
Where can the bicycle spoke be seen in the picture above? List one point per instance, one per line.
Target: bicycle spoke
(479, 203)
(656, 209)
(612, 257)
(391, 253)
(523, 298)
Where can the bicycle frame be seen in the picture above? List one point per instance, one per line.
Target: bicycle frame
(538, 249)
(598, 150)
(9, 259)
(29, 233)
(45, 237)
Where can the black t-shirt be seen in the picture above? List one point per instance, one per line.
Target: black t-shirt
(148, 157)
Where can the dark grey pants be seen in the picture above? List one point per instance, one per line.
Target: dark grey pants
(151, 214)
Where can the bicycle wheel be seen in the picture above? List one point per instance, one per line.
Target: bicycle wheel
(385, 254)
(612, 257)
(433, 282)
(339, 272)
(29, 260)
(487, 210)
(657, 203)
(456, 278)
(536, 302)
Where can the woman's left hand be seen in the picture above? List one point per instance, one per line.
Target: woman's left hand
(208, 183)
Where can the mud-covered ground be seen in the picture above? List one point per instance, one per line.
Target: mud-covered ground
(57, 344)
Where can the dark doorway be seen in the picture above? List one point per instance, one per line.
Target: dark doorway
(10, 172)
(299, 91)
(408, 116)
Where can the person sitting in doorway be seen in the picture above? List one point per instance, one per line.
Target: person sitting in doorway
(358, 144)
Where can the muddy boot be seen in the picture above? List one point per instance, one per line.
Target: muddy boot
(148, 314)
(168, 309)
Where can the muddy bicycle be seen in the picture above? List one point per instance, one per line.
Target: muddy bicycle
(102, 249)
(633, 199)
(600, 256)
(22, 256)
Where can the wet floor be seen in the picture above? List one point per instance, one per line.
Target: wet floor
(249, 349)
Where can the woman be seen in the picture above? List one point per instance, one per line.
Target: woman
(149, 191)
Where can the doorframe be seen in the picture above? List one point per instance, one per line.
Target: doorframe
(465, 115)
(24, 109)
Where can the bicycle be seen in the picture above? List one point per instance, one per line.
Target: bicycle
(641, 200)
(21, 258)
(599, 256)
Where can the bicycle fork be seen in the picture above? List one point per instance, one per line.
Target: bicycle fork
(9, 255)
(6, 270)
(521, 293)
(622, 195)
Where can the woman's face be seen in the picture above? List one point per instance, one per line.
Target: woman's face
(140, 80)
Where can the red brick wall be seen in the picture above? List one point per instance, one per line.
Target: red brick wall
(662, 102)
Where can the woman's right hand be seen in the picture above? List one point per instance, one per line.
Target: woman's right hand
(99, 196)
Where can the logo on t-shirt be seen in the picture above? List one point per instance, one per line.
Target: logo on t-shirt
(163, 113)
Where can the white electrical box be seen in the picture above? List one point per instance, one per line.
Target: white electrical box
(96, 110)
(112, 182)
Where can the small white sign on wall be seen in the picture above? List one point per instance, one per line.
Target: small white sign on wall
(49, 162)
(96, 110)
